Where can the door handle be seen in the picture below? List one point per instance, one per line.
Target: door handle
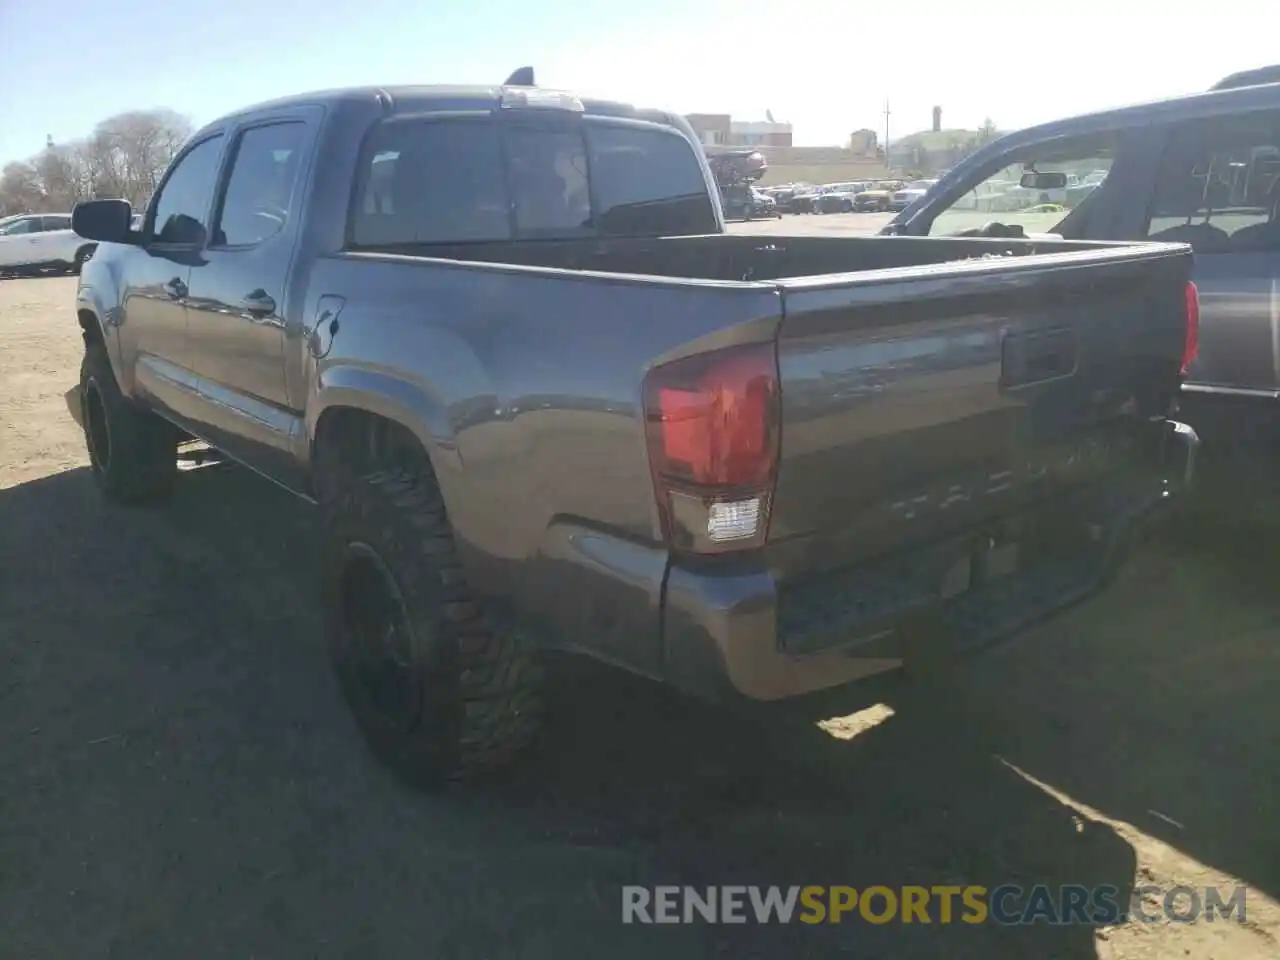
(176, 289)
(258, 304)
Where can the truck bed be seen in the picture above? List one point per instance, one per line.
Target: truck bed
(728, 257)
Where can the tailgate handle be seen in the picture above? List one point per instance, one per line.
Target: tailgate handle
(1035, 357)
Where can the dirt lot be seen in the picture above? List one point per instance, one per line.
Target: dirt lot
(179, 779)
(818, 225)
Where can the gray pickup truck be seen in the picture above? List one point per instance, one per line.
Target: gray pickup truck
(543, 400)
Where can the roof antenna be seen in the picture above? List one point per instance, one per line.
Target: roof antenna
(523, 77)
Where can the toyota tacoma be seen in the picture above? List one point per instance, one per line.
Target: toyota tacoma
(541, 399)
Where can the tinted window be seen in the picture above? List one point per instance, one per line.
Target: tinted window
(57, 223)
(447, 181)
(183, 203)
(547, 171)
(647, 181)
(255, 205)
(433, 182)
(1219, 185)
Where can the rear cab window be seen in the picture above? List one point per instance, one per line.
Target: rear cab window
(480, 179)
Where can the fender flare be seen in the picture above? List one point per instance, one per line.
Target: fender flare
(402, 401)
(107, 322)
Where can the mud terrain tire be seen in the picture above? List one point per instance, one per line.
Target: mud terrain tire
(437, 695)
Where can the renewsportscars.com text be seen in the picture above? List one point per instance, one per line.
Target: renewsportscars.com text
(1007, 905)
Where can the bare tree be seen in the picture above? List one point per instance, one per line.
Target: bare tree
(20, 190)
(124, 156)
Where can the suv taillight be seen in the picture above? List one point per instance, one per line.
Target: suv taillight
(712, 426)
(1191, 345)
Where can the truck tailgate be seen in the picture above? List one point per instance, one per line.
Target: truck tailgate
(919, 404)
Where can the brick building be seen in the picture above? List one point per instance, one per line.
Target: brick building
(721, 130)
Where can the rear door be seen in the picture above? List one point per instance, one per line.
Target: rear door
(239, 297)
(1218, 189)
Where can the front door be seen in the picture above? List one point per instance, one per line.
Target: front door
(239, 297)
(153, 329)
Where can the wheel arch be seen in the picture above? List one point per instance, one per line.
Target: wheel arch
(351, 400)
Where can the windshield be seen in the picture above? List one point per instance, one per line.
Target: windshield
(1000, 197)
(468, 180)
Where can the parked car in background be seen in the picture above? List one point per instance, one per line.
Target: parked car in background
(875, 199)
(41, 241)
(764, 205)
(1202, 169)
(742, 201)
(803, 199)
(542, 400)
(838, 197)
(909, 194)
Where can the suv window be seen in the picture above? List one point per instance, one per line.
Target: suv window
(182, 205)
(19, 227)
(446, 181)
(1000, 197)
(56, 223)
(255, 204)
(1219, 185)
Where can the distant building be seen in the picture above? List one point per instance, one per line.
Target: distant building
(864, 143)
(721, 130)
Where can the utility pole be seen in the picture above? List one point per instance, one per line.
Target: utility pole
(886, 134)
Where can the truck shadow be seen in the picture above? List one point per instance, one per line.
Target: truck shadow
(189, 740)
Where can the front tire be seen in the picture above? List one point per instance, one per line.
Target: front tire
(133, 454)
(436, 694)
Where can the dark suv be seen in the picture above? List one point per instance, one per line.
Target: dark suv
(1201, 169)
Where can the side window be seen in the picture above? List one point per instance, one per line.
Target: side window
(547, 171)
(255, 204)
(647, 181)
(1077, 167)
(57, 223)
(432, 181)
(182, 205)
(1219, 185)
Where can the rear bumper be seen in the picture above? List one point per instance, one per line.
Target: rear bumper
(736, 633)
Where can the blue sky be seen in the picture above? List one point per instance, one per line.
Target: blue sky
(66, 65)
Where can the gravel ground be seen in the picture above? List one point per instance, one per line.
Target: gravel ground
(179, 778)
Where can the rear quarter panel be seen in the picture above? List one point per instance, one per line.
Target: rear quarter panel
(524, 385)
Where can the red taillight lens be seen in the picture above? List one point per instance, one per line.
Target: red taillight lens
(1191, 346)
(712, 428)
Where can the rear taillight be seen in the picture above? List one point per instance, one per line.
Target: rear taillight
(1191, 345)
(712, 425)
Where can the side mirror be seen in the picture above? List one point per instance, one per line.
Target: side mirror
(1043, 181)
(107, 221)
